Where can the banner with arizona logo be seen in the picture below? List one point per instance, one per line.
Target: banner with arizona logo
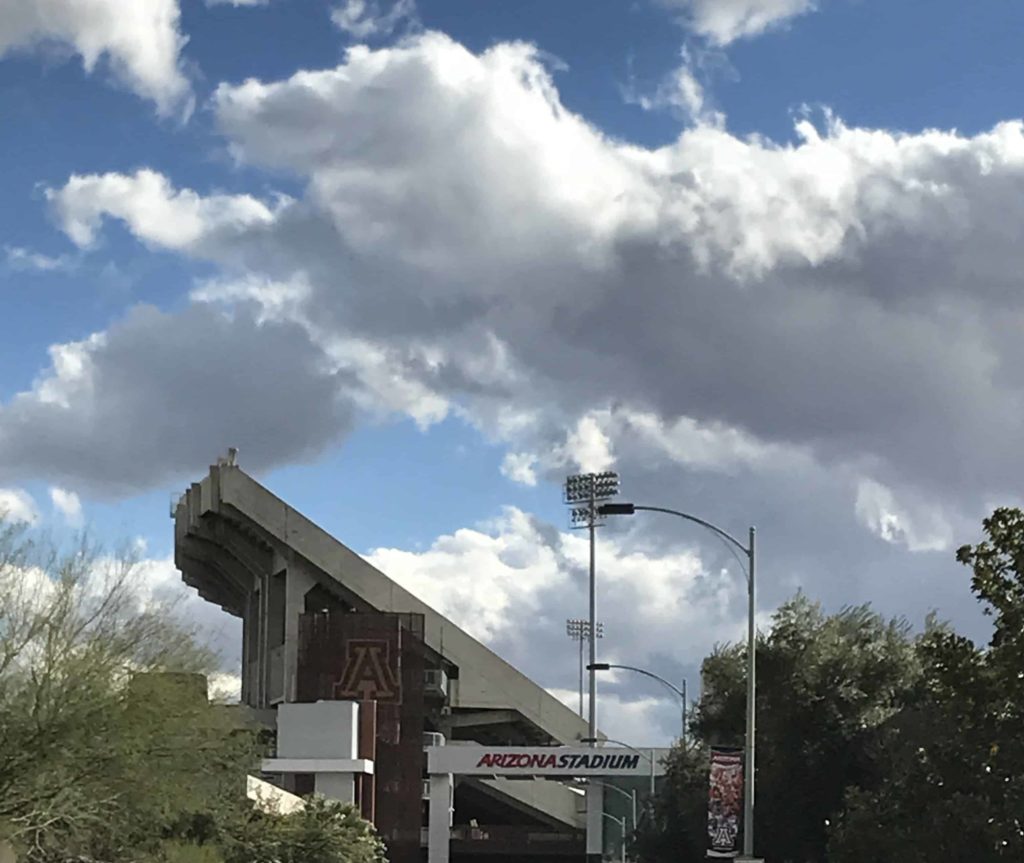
(725, 802)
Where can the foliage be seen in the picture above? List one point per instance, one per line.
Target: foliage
(827, 686)
(674, 827)
(873, 745)
(956, 786)
(323, 832)
(101, 751)
(110, 750)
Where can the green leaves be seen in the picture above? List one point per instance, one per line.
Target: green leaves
(876, 744)
(323, 832)
(110, 750)
(92, 761)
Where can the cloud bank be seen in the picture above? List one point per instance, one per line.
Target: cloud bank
(141, 40)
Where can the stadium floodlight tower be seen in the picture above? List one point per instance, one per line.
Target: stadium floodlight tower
(577, 629)
(583, 492)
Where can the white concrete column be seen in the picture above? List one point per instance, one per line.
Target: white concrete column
(298, 583)
(595, 821)
(439, 830)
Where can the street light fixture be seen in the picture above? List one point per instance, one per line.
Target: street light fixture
(750, 551)
(608, 666)
(578, 630)
(648, 757)
(622, 826)
(629, 795)
(582, 492)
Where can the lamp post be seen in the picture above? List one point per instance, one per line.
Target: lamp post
(649, 758)
(607, 666)
(750, 552)
(629, 795)
(578, 630)
(582, 493)
(622, 826)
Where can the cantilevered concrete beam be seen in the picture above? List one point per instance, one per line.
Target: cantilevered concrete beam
(483, 717)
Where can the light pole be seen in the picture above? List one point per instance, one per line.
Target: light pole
(582, 493)
(622, 826)
(629, 795)
(607, 666)
(750, 550)
(649, 758)
(578, 630)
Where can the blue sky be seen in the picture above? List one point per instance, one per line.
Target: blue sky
(464, 267)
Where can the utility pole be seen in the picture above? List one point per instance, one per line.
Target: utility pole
(748, 785)
(583, 492)
(578, 630)
(750, 550)
(685, 731)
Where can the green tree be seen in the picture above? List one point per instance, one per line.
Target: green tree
(955, 789)
(322, 832)
(828, 685)
(674, 825)
(102, 751)
(110, 749)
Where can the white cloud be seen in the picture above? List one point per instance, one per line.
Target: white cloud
(725, 21)
(364, 19)
(519, 467)
(636, 721)
(237, 2)
(141, 39)
(482, 581)
(146, 400)
(26, 260)
(157, 584)
(753, 328)
(225, 686)
(68, 504)
(514, 581)
(589, 446)
(467, 240)
(922, 529)
(158, 214)
(274, 300)
(17, 505)
(682, 91)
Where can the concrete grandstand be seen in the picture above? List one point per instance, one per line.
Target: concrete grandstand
(290, 583)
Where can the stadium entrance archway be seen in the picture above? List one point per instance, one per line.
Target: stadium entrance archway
(548, 762)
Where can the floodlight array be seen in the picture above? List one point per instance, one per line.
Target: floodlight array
(580, 516)
(585, 487)
(578, 629)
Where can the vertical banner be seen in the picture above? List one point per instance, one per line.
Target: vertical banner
(725, 802)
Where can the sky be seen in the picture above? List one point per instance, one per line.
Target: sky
(420, 260)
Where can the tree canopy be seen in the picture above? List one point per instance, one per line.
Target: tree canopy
(875, 743)
(110, 749)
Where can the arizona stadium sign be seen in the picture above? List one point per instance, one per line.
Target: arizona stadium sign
(544, 761)
(534, 760)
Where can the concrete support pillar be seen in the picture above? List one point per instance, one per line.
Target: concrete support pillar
(595, 822)
(439, 830)
(262, 653)
(298, 584)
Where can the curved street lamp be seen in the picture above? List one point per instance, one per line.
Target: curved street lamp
(607, 666)
(629, 795)
(622, 826)
(648, 757)
(749, 551)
